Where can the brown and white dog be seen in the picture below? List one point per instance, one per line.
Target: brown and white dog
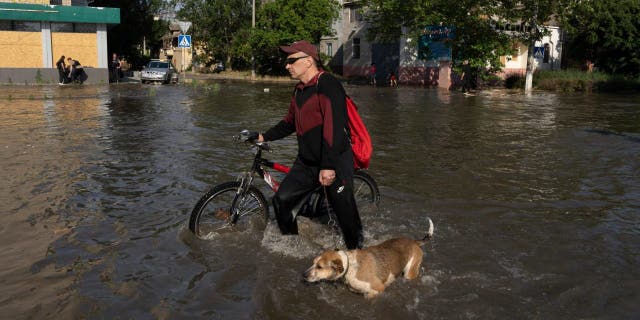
(372, 269)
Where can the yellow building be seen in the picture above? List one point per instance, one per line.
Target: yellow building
(34, 34)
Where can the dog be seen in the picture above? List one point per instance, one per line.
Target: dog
(370, 270)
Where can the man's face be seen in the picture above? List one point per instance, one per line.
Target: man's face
(297, 64)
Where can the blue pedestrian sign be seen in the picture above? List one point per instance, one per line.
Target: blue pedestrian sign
(184, 41)
(538, 52)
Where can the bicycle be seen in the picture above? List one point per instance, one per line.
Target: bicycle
(229, 205)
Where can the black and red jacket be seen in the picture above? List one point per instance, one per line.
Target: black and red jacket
(318, 116)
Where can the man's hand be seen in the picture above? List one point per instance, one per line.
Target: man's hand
(327, 176)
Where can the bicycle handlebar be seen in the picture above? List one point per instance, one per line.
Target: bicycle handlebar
(252, 138)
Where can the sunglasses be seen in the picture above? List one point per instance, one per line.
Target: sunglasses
(293, 60)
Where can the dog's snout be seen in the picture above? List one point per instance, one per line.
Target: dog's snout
(308, 275)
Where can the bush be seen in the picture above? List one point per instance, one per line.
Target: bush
(514, 81)
(575, 80)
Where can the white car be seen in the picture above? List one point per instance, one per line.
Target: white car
(159, 71)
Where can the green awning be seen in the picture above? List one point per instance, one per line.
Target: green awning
(39, 12)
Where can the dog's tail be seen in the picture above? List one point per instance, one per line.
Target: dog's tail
(429, 233)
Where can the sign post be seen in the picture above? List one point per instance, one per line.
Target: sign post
(184, 42)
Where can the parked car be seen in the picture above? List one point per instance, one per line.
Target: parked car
(218, 67)
(159, 71)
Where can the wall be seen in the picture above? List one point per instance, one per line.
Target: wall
(21, 49)
(26, 76)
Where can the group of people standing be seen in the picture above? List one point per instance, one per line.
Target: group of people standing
(69, 70)
(391, 76)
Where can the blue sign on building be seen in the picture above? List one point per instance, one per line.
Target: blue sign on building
(432, 43)
(184, 41)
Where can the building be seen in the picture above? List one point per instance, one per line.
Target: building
(351, 54)
(35, 33)
(547, 54)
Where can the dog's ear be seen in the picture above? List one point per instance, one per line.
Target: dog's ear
(336, 264)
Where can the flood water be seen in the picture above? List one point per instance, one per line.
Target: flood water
(535, 200)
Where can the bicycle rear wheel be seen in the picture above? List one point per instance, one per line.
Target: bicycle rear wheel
(365, 190)
(212, 213)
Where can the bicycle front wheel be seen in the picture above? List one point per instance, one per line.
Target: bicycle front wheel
(212, 213)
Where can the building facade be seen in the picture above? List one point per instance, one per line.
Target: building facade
(351, 54)
(34, 34)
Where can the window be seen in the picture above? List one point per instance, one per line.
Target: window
(5, 25)
(354, 15)
(84, 27)
(73, 27)
(356, 48)
(330, 49)
(26, 26)
(61, 27)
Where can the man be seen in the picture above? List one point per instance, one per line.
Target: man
(114, 68)
(467, 77)
(76, 70)
(318, 116)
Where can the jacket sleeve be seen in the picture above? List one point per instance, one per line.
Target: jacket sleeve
(334, 113)
(283, 128)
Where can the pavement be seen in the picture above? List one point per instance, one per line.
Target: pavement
(134, 77)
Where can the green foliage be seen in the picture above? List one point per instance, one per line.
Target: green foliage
(219, 27)
(136, 25)
(282, 22)
(572, 80)
(477, 39)
(39, 79)
(606, 32)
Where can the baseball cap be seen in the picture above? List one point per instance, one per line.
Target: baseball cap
(302, 46)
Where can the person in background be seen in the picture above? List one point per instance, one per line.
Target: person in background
(114, 68)
(62, 71)
(372, 74)
(318, 115)
(467, 77)
(393, 81)
(76, 70)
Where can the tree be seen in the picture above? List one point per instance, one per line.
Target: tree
(136, 25)
(605, 32)
(220, 27)
(281, 22)
(478, 39)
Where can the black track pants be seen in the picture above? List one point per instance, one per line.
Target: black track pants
(302, 180)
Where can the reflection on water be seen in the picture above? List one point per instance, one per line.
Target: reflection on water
(535, 201)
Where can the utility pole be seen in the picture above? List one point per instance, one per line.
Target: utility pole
(253, 26)
(528, 80)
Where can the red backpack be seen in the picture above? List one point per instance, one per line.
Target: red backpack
(360, 139)
(358, 134)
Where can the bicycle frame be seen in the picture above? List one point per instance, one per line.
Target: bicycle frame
(259, 165)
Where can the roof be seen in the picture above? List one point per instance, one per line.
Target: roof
(53, 13)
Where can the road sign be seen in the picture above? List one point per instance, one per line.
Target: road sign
(538, 52)
(184, 26)
(184, 41)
